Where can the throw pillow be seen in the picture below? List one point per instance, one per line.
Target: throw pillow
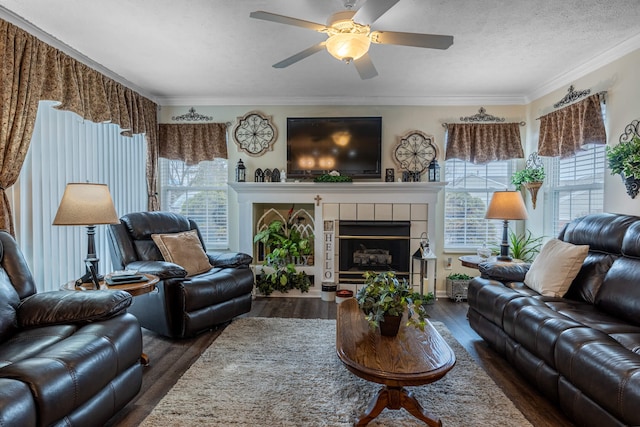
(183, 249)
(555, 267)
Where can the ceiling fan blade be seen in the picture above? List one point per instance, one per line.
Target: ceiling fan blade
(371, 10)
(300, 55)
(281, 19)
(365, 67)
(433, 41)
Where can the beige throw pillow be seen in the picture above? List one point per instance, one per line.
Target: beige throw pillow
(555, 267)
(183, 249)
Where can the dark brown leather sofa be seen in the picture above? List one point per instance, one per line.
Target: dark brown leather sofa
(582, 350)
(181, 306)
(67, 358)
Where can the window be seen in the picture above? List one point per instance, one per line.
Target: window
(467, 196)
(576, 186)
(65, 148)
(200, 193)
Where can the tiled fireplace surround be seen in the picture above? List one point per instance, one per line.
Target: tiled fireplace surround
(332, 202)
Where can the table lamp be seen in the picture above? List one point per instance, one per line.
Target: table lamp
(506, 205)
(89, 205)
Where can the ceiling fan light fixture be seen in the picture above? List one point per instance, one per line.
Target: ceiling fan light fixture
(348, 46)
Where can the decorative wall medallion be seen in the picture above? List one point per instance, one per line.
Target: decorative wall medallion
(255, 134)
(414, 151)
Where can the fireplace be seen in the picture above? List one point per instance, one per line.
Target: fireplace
(373, 245)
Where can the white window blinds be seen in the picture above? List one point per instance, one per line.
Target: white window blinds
(576, 186)
(467, 195)
(65, 148)
(200, 193)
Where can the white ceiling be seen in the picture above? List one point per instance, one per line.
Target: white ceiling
(209, 52)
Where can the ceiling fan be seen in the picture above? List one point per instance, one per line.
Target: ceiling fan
(349, 35)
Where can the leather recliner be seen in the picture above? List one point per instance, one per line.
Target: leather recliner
(67, 358)
(180, 306)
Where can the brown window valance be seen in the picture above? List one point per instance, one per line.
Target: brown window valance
(31, 71)
(565, 131)
(193, 143)
(483, 142)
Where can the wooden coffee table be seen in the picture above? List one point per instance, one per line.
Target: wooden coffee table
(411, 358)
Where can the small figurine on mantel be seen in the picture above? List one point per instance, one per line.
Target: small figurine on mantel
(283, 175)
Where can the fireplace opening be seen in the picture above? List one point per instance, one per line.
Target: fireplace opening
(373, 245)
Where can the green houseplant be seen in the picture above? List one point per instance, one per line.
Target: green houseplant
(530, 178)
(624, 159)
(384, 297)
(524, 246)
(284, 246)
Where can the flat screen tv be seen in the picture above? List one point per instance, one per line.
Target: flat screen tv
(349, 145)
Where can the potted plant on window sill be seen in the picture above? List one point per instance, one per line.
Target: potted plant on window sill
(384, 300)
(624, 159)
(530, 178)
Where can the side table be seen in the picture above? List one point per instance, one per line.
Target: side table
(472, 261)
(135, 289)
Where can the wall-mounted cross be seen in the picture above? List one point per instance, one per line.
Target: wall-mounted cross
(317, 199)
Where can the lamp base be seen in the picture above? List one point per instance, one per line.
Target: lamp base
(504, 258)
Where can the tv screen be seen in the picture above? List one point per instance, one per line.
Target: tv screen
(318, 145)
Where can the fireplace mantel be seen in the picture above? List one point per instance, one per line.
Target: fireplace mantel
(324, 194)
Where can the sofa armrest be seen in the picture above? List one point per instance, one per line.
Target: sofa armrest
(230, 259)
(162, 269)
(65, 307)
(504, 271)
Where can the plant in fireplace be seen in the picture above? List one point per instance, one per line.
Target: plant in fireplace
(284, 245)
(384, 299)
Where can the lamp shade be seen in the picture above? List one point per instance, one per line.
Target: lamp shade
(506, 205)
(86, 204)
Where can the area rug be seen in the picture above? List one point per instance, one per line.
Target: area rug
(285, 373)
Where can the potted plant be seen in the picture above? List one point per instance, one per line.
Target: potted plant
(530, 178)
(524, 246)
(284, 246)
(384, 299)
(624, 159)
(457, 285)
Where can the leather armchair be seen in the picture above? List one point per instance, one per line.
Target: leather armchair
(180, 306)
(66, 357)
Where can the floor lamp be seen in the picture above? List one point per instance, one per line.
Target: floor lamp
(506, 205)
(88, 205)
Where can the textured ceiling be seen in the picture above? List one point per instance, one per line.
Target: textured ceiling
(210, 52)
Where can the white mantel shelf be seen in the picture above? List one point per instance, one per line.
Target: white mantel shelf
(372, 191)
(321, 193)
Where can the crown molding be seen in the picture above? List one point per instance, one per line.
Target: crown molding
(27, 26)
(597, 62)
(364, 101)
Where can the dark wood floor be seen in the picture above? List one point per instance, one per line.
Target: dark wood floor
(171, 358)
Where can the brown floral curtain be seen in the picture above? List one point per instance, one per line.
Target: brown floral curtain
(30, 71)
(483, 142)
(192, 143)
(565, 131)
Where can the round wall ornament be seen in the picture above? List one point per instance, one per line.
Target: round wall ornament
(255, 134)
(414, 151)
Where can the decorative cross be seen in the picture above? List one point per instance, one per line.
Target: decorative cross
(317, 199)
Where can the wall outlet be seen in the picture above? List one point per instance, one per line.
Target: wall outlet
(447, 264)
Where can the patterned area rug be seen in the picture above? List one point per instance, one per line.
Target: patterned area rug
(285, 372)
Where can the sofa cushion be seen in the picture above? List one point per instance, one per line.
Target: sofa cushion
(183, 249)
(555, 267)
(619, 294)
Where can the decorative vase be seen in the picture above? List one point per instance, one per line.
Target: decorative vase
(533, 188)
(632, 184)
(390, 326)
